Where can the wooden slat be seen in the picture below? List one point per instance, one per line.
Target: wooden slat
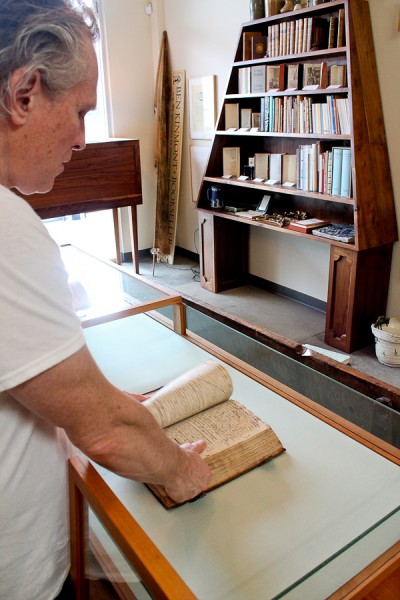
(149, 563)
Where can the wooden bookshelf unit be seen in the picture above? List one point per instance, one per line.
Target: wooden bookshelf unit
(308, 124)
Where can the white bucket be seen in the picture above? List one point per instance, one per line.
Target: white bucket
(387, 343)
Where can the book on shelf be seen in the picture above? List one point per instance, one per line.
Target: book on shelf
(255, 120)
(345, 181)
(307, 225)
(337, 75)
(275, 77)
(258, 79)
(338, 232)
(306, 37)
(247, 43)
(332, 31)
(337, 156)
(244, 80)
(198, 405)
(323, 75)
(283, 38)
(340, 39)
(245, 118)
(232, 115)
(342, 115)
(258, 47)
(231, 161)
(294, 76)
(275, 167)
(289, 169)
(311, 75)
(261, 164)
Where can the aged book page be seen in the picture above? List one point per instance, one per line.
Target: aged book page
(197, 406)
(192, 392)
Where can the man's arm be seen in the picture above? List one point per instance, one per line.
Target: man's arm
(112, 427)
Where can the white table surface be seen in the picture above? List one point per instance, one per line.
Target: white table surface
(268, 530)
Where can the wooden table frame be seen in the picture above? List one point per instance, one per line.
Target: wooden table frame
(87, 488)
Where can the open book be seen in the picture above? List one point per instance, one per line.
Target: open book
(197, 405)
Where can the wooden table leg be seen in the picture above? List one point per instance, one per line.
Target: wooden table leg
(117, 235)
(135, 245)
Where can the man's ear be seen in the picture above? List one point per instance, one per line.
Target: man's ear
(23, 95)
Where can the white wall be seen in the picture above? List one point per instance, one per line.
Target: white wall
(384, 18)
(203, 36)
(128, 35)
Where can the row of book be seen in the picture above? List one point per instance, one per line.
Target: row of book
(310, 169)
(259, 79)
(292, 114)
(305, 35)
(295, 37)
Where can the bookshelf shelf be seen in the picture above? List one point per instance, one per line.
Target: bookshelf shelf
(248, 185)
(297, 136)
(336, 37)
(318, 92)
(298, 57)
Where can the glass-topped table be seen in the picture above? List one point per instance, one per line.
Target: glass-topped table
(298, 527)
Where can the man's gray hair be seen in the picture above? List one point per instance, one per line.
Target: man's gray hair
(48, 36)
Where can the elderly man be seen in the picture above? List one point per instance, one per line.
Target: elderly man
(49, 384)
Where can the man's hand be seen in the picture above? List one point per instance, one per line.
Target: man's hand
(193, 476)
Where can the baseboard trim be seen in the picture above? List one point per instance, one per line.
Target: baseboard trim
(281, 290)
(264, 284)
(127, 256)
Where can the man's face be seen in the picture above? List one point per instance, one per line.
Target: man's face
(55, 129)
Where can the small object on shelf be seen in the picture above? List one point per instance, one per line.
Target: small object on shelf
(288, 6)
(257, 9)
(234, 209)
(214, 195)
(248, 171)
(299, 4)
(340, 233)
(307, 225)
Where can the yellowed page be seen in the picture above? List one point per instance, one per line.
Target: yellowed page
(222, 426)
(201, 387)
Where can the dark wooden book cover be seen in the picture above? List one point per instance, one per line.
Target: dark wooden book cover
(340, 32)
(332, 33)
(247, 46)
(259, 46)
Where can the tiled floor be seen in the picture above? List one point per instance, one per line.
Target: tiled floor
(281, 315)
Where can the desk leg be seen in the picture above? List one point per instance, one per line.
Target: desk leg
(116, 235)
(135, 245)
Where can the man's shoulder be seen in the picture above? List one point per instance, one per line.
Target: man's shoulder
(11, 205)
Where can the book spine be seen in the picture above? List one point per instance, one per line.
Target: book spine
(262, 114)
(329, 173)
(337, 170)
(340, 31)
(332, 35)
(345, 185)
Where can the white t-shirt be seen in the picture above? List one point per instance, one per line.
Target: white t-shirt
(38, 329)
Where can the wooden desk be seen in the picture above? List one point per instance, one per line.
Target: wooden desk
(301, 526)
(105, 175)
